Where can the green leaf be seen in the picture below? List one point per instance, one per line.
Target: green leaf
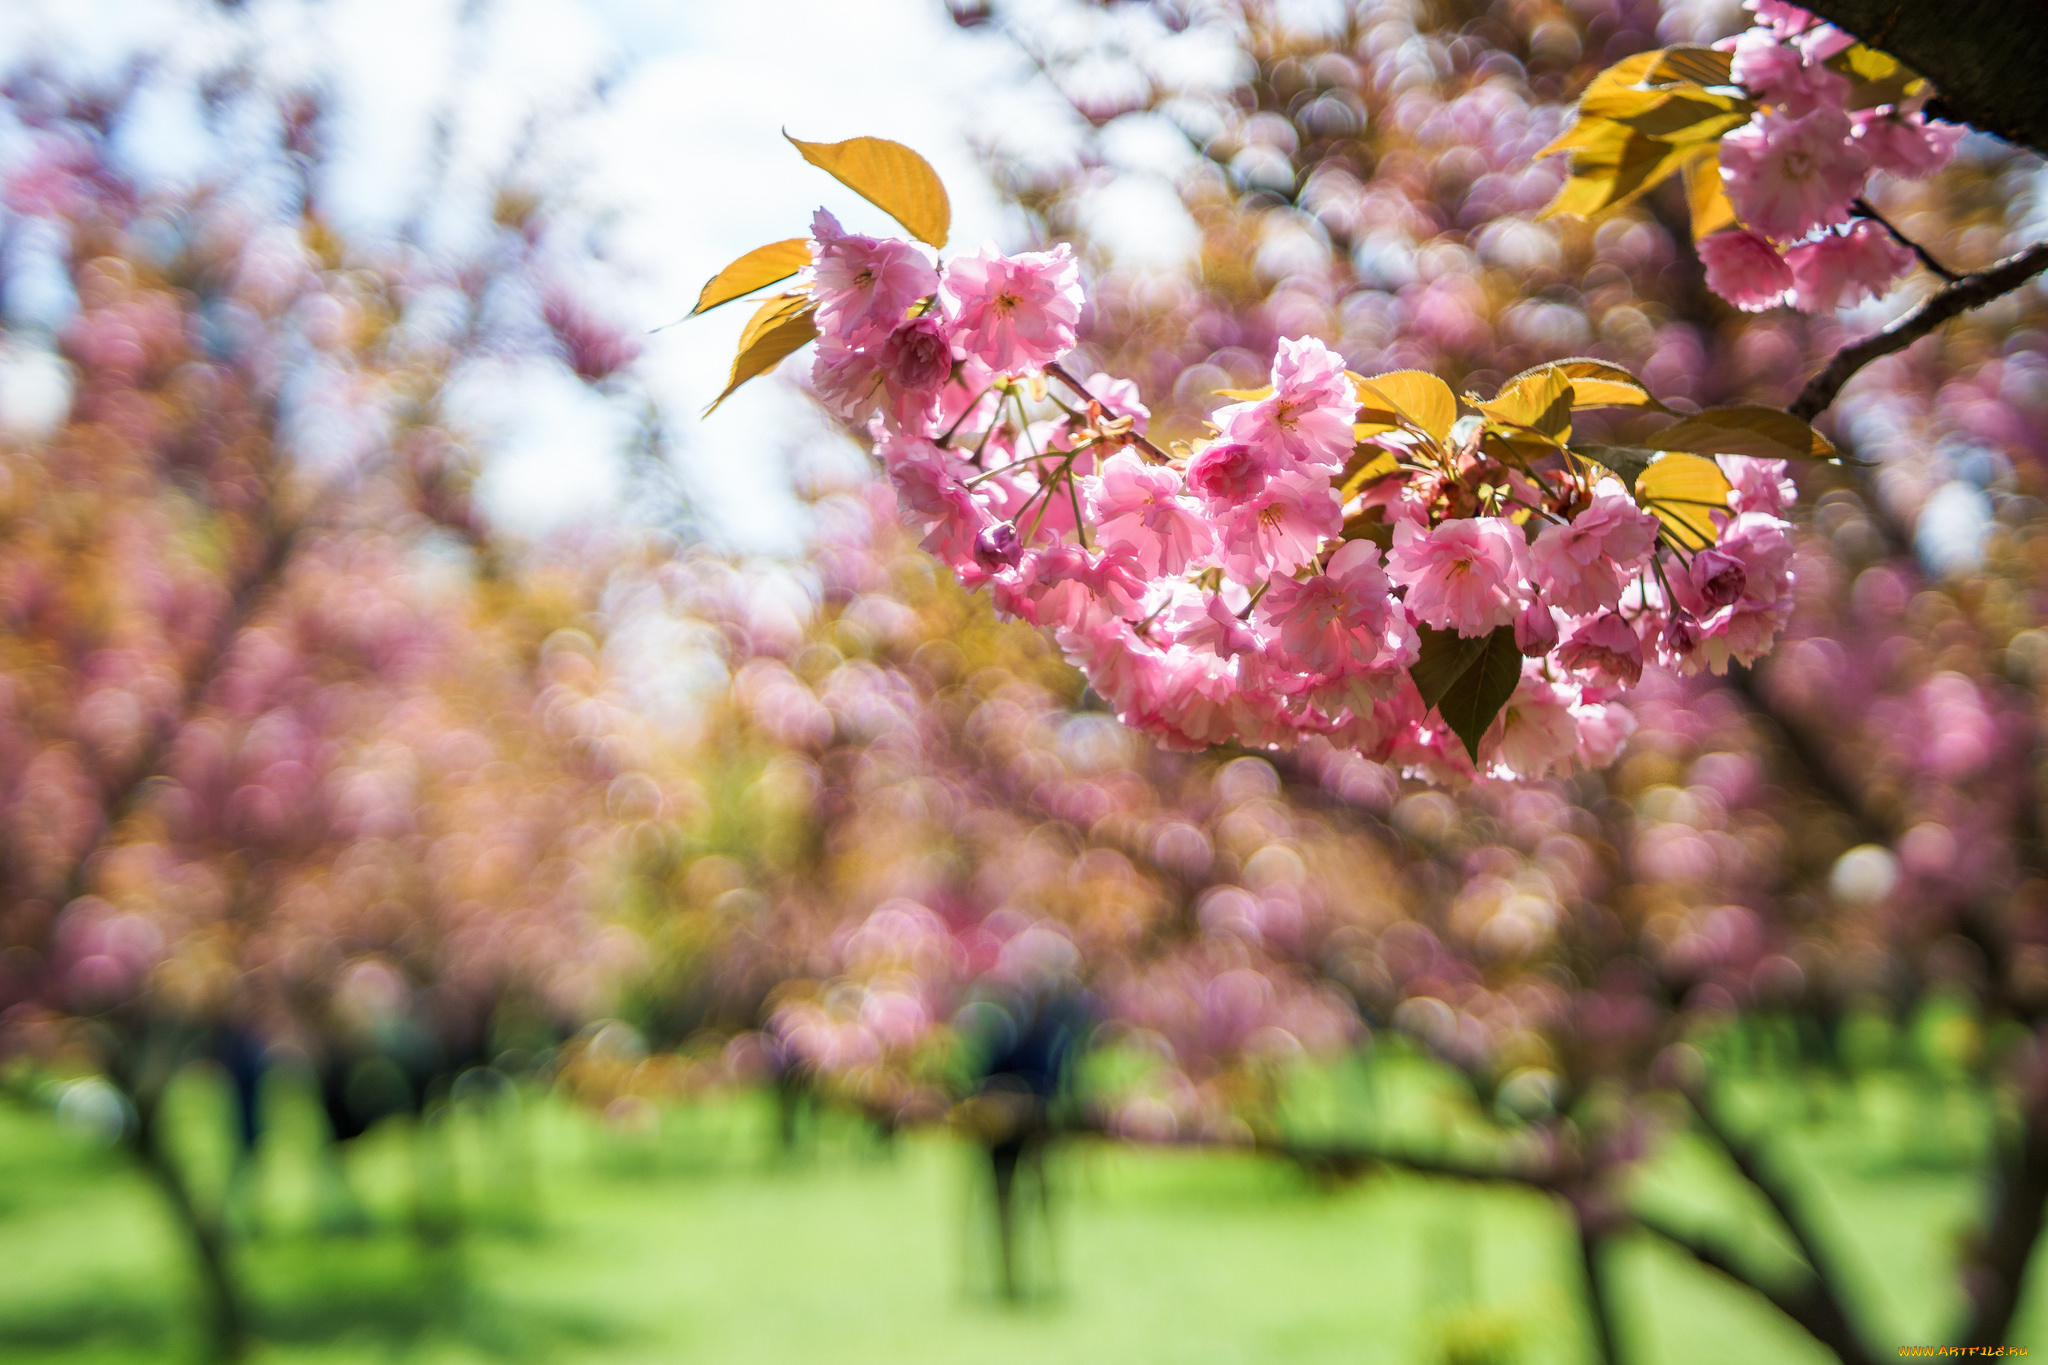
(1765, 433)
(890, 176)
(777, 328)
(759, 268)
(1467, 679)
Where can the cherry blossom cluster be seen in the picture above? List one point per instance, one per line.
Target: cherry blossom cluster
(1795, 173)
(1245, 590)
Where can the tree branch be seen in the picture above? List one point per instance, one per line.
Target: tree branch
(1774, 1192)
(1598, 1305)
(1869, 210)
(1971, 291)
(1817, 1315)
(1994, 1277)
(1344, 1159)
(1985, 57)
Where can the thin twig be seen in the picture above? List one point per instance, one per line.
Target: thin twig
(1971, 291)
(1863, 206)
(1152, 452)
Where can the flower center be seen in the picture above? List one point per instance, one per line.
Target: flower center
(1005, 303)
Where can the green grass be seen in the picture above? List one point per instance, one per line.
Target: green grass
(697, 1242)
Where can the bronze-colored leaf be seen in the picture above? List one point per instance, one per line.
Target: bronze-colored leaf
(891, 177)
(1765, 433)
(1690, 62)
(1624, 462)
(759, 268)
(780, 326)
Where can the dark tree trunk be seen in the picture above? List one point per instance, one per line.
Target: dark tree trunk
(226, 1325)
(1996, 1276)
(1985, 57)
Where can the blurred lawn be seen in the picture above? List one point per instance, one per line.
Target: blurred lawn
(692, 1239)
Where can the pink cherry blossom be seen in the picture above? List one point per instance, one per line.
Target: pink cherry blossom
(1465, 575)
(1740, 591)
(1536, 630)
(1228, 473)
(1536, 731)
(1838, 269)
(1139, 507)
(918, 355)
(1219, 630)
(1745, 269)
(1015, 313)
(864, 285)
(1582, 564)
(1783, 75)
(1783, 20)
(1757, 485)
(845, 378)
(1333, 619)
(1787, 176)
(1281, 528)
(1307, 419)
(1606, 646)
(1910, 146)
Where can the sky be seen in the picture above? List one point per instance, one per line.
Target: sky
(678, 168)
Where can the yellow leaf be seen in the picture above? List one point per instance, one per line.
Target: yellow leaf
(1690, 114)
(1683, 491)
(1411, 398)
(1600, 138)
(1609, 181)
(780, 326)
(1538, 399)
(1600, 384)
(758, 269)
(1624, 74)
(1377, 464)
(891, 177)
(1621, 104)
(1705, 197)
(1875, 77)
(1246, 395)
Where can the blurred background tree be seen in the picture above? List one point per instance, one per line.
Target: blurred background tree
(307, 766)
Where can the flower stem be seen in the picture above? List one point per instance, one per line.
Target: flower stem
(1152, 452)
